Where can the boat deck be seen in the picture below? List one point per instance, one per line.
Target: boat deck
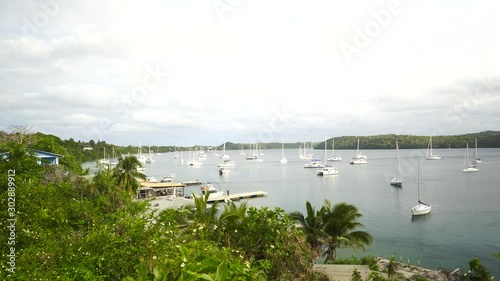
(237, 196)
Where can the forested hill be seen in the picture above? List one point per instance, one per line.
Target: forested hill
(484, 139)
(76, 152)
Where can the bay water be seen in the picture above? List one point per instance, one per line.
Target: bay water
(464, 222)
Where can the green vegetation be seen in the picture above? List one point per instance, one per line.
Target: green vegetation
(69, 228)
(332, 227)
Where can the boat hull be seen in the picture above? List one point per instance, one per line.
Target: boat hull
(421, 209)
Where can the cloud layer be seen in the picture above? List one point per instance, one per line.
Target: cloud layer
(189, 72)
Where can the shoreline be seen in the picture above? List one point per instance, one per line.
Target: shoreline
(408, 270)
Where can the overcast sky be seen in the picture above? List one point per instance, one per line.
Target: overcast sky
(205, 72)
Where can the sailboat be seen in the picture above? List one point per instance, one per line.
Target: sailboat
(358, 158)
(307, 152)
(468, 168)
(327, 170)
(150, 158)
(283, 159)
(113, 161)
(334, 157)
(421, 208)
(104, 160)
(224, 155)
(254, 154)
(396, 180)
(429, 155)
(316, 163)
(140, 156)
(476, 159)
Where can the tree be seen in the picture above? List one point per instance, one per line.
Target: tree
(477, 272)
(339, 224)
(311, 226)
(126, 173)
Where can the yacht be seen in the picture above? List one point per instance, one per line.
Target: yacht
(314, 163)
(328, 170)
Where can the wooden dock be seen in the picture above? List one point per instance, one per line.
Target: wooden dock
(162, 184)
(237, 196)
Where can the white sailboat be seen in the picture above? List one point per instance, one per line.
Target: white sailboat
(468, 168)
(421, 208)
(193, 160)
(224, 155)
(113, 161)
(476, 159)
(254, 154)
(283, 159)
(316, 163)
(104, 160)
(150, 158)
(334, 157)
(396, 180)
(140, 156)
(307, 152)
(429, 155)
(358, 158)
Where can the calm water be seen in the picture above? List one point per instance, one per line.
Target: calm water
(464, 222)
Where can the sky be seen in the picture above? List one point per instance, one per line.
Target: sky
(205, 72)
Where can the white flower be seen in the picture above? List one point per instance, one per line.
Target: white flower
(154, 257)
(182, 264)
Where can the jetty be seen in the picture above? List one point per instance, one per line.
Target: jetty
(162, 184)
(236, 196)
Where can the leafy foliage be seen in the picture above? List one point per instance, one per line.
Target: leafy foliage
(332, 227)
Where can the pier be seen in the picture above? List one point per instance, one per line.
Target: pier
(237, 196)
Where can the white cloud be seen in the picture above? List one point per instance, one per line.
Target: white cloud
(228, 78)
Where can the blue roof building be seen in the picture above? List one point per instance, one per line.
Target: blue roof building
(44, 157)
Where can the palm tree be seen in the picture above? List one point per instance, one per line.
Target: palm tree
(126, 173)
(339, 224)
(311, 226)
(230, 221)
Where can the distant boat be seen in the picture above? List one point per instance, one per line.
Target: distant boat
(307, 152)
(328, 170)
(254, 154)
(224, 155)
(283, 159)
(334, 157)
(421, 208)
(150, 158)
(223, 170)
(358, 154)
(104, 160)
(476, 159)
(314, 163)
(358, 158)
(396, 180)
(113, 161)
(193, 160)
(429, 155)
(468, 168)
(140, 156)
